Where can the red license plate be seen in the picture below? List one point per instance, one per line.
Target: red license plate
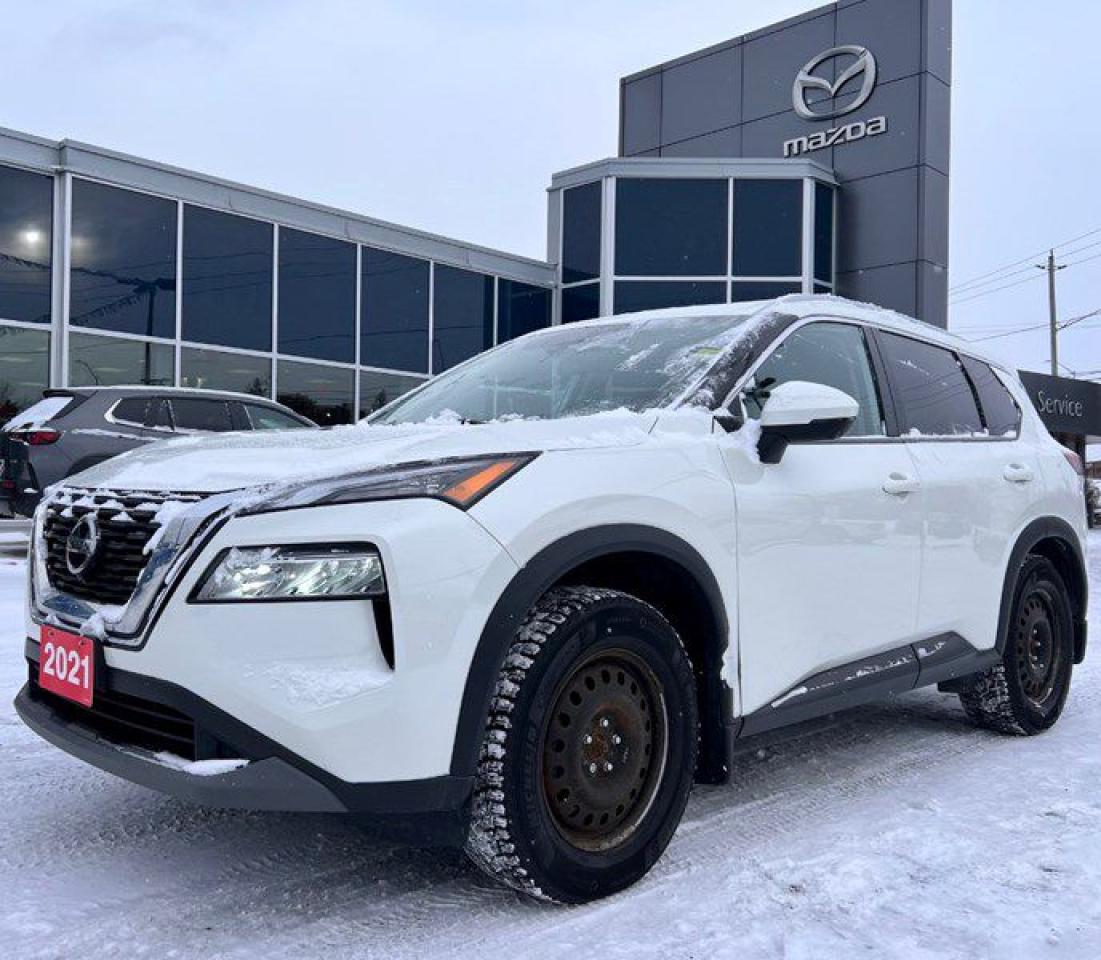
(67, 665)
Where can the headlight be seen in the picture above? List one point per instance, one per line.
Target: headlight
(461, 482)
(293, 573)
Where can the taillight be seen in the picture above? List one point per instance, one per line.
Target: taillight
(1075, 461)
(36, 438)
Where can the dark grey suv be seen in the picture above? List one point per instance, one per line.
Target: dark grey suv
(72, 429)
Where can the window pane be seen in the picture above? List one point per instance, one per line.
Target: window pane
(998, 406)
(193, 413)
(741, 290)
(823, 232)
(580, 303)
(131, 410)
(581, 233)
(317, 296)
(324, 394)
(521, 308)
(110, 361)
(378, 389)
(268, 418)
(833, 354)
(24, 369)
(227, 279)
(928, 384)
(768, 228)
(670, 227)
(217, 370)
(462, 319)
(651, 295)
(395, 311)
(123, 261)
(26, 233)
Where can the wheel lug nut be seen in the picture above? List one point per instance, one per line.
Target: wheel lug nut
(592, 768)
(608, 767)
(617, 739)
(604, 722)
(588, 738)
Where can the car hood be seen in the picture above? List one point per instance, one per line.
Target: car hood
(233, 461)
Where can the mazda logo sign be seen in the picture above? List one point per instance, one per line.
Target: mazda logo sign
(862, 65)
(81, 545)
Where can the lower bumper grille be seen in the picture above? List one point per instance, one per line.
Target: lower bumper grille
(126, 720)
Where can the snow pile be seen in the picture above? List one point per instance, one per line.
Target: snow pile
(311, 683)
(200, 768)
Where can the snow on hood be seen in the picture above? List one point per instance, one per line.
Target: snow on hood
(236, 460)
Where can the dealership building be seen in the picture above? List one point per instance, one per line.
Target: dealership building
(808, 156)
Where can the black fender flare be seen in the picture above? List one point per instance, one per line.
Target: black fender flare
(1041, 529)
(533, 580)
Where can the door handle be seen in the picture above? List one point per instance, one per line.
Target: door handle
(1018, 473)
(900, 484)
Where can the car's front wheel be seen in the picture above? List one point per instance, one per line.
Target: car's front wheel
(590, 748)
(1025, 693)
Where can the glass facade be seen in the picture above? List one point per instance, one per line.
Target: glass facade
(377, 388)
(222, 370)
(122, 274)
(227, 279)
(24, 368)
(688, 240)
(112, 361)
(394, 311)
(317, 296)
(26, 236)
(462, 315)
(521, 308)
(322, 392)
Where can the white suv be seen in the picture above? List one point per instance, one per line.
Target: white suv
(525, 605)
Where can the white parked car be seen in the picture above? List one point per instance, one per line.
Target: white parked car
(527, 604)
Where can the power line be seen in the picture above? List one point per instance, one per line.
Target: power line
(1039, 253)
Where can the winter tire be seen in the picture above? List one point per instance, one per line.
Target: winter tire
(1025, 693)
(590, 748)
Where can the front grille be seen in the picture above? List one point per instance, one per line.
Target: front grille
(126, 720)
(127, 521)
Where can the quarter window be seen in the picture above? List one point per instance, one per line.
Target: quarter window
(930, 388)
(268, 418)
(131, 410)
(833, 354)
(999, 409)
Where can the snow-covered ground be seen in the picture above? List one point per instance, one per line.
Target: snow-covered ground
(892, 831)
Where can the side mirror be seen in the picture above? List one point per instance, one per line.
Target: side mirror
(802, 412)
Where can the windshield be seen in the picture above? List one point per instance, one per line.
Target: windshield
(574, 371)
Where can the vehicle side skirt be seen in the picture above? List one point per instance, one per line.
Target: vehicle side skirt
(940, 659)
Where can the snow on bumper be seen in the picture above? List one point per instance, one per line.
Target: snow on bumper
(311, 676)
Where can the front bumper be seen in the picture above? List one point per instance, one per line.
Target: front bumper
(432, 810)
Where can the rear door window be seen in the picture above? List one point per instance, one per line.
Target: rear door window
(1000, 410)
(195, 413)
(929, 387)
(833, 354)
(268, 418)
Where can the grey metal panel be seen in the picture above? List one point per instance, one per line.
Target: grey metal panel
(689, 167)
(26, 150)
(893, 286)
(933, 216)
(932, 293)
(877, 221)
(765, 137)
(937, 38)
(900, 103)
(701, 96)
(771, 63)
(640, 112)
(936, 127)
(99, 163)
(721, 143)
(891, 29)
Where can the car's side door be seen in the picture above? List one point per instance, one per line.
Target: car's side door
(979, 481)
(829, 538)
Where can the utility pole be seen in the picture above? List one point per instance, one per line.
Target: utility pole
(1051, 268)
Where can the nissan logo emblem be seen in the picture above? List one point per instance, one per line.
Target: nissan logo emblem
(81, 545)
(863, 65)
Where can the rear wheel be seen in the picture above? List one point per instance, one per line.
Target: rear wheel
(590, 748)
(1025, 693)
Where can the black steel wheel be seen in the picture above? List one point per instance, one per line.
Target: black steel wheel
(1026, 692)
(590, 748)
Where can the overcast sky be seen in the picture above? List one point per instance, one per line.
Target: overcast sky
(452, 117)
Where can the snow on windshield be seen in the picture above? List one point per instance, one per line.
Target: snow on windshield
(576, 371)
